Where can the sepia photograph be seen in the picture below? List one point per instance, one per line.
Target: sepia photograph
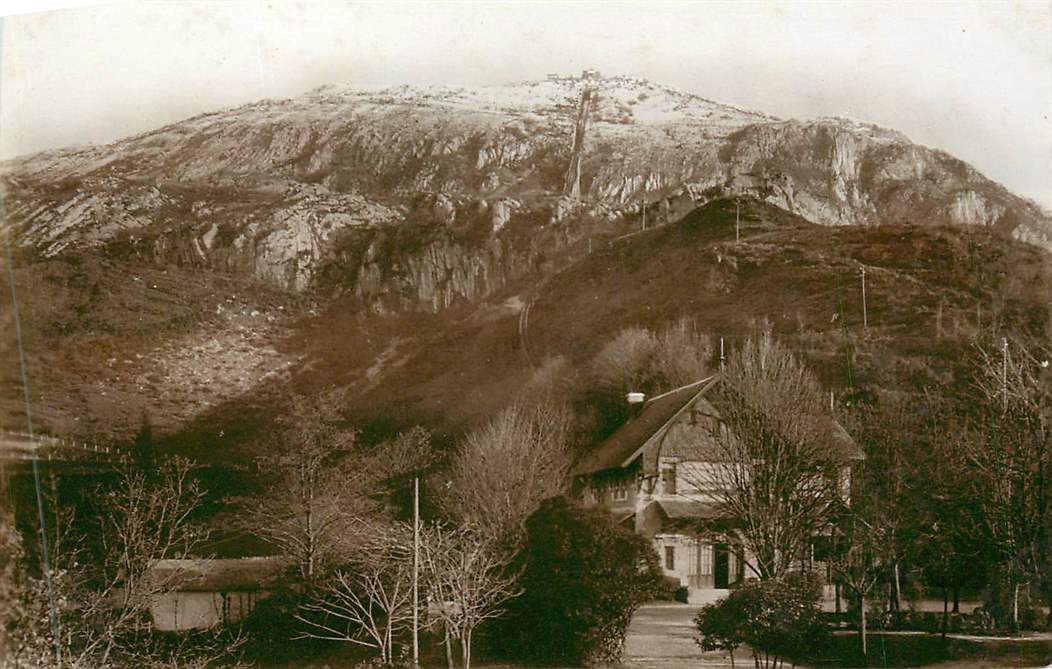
(517, 334)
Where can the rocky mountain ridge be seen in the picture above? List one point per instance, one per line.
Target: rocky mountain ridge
(306, 193)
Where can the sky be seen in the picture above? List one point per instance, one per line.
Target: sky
(974, 79)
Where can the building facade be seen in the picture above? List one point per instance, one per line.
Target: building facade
(194, 594)
(656, 474)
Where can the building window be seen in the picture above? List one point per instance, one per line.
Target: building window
(620, 491)
(705, 560)
(668, 479)
(670, 557)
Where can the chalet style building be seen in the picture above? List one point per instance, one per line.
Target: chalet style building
(650, 475)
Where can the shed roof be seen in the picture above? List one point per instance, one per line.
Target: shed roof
(219, 575)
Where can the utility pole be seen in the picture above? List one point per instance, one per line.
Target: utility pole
(722, 359)
(416, 571)
(1004, 374)
(865, 313)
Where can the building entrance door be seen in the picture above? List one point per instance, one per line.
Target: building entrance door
(720, 566)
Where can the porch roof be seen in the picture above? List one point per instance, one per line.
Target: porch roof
(679, 509)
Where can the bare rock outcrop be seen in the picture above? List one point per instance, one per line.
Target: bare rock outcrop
(274, 190)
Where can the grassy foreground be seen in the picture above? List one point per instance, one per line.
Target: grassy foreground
(920, 649)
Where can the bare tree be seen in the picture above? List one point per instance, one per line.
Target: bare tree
(11, 587)
(682, 354)
(640, 359)
(369, 603)
(103, 578)
(625, 362)
(468, 580)
(504, 469)
(302, 512)
(1007, 446)
(864, 546)
(321, 481)
(774, 464)
(644, 360)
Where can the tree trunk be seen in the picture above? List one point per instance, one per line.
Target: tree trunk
(390, 642)
(956, 599)
(898, 588)
(1015, 609)
(862, 605)
(945, 609)
(449, 647)
(836, 594)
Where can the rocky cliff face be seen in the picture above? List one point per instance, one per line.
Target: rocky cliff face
(425, 196)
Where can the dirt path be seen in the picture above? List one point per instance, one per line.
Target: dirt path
(661, 636)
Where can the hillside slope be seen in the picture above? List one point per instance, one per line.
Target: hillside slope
(931, 294)
(415, 245)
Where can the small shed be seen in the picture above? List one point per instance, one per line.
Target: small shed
(198, 594)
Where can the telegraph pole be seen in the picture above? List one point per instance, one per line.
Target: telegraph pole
(1004, 374)
(865, 313)
(722, 359)
(416, 571)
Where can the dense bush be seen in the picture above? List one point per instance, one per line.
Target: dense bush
(777, 618)
(584, 577)
(666, 589)
(999, 604)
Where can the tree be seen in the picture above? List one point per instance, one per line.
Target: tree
(303, 511)
(721, 627)
(14, 638)
(507, 467)
(469, 580)
(369, 602)
(102, 576)
(777, 476)
(898, 436)
(142, 447)
(950, 545)
(639, 359)
(319, 482)
(1006, 443)
(863, 544)
(777, 618)
(583, 579)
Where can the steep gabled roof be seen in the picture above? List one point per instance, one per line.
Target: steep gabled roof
(625, 445)
(660, 413)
